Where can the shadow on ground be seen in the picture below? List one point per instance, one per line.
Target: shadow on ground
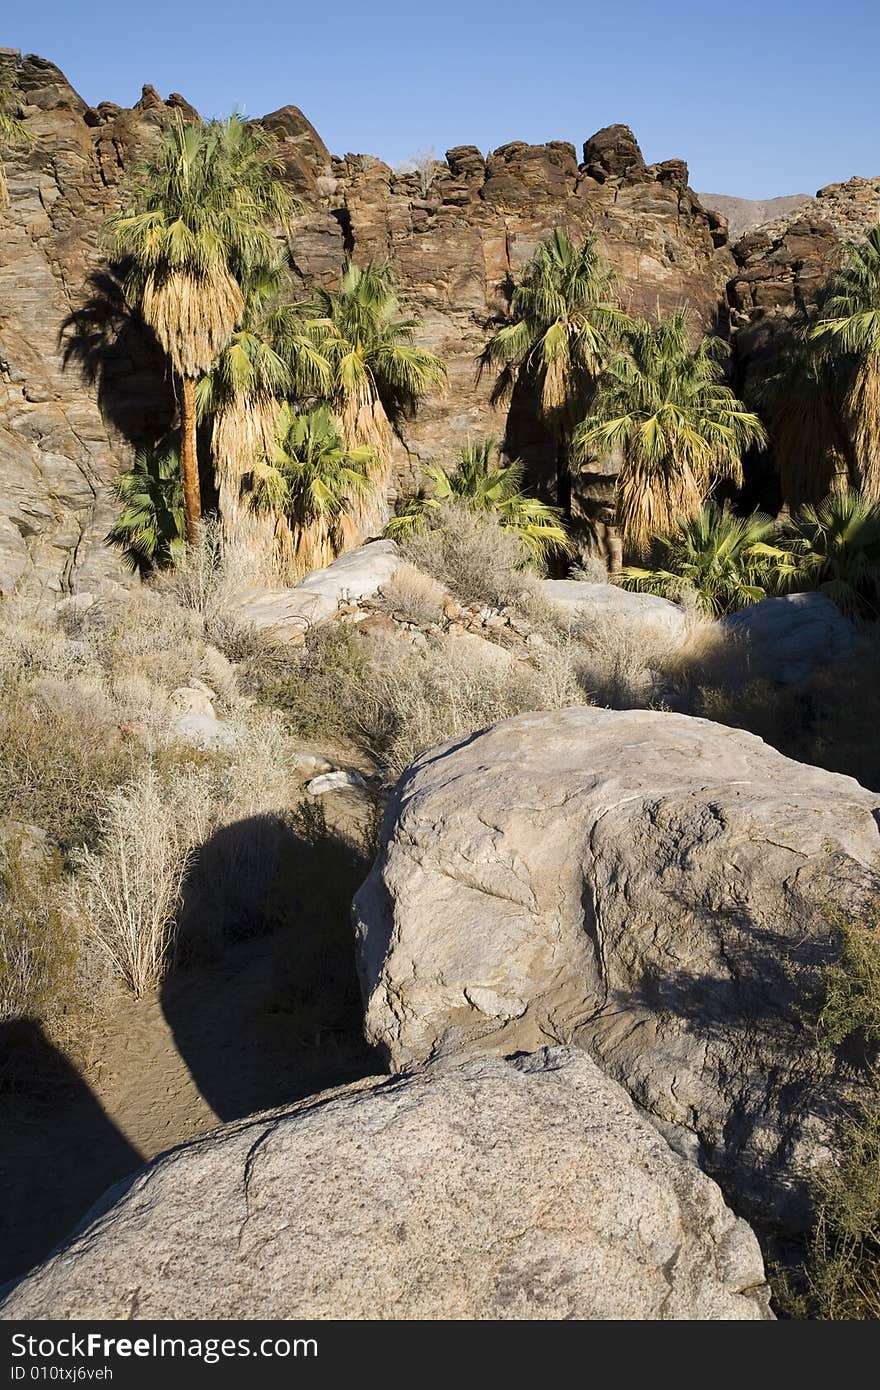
(263, 1008)
(58, 1148)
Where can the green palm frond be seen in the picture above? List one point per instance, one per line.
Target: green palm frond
(835, 548)
(484, 483)
(197, 218)
(368, 343)
(150, 529)
(565, 320)
(727, 561)
(664, 405)
(312, 473)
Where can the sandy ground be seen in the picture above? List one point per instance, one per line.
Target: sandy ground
(220, 1042)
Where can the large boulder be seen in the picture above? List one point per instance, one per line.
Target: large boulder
(290, 612)
(616, 608)
(527, 1188)
(656, 888)
(788, 638)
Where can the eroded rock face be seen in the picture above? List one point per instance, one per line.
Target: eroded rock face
(527, 1188)
(73, 408)
(652, 886)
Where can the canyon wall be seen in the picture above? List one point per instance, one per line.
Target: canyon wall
(83, 385)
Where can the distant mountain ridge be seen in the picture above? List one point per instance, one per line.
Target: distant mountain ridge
(745, 213)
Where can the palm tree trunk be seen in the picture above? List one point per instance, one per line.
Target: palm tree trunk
(563, 472)
(189, 462)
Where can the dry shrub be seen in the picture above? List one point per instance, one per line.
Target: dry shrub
(130, 888)
(408, 700)
(208, 574)
(151, 637)
(476, 558)
(61, 749)
(318, 689)
(38, 945)
(32, 647)
(413, 597)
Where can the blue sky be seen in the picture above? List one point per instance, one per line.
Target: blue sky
(760, 98)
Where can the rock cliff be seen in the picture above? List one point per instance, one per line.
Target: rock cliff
(83, 385)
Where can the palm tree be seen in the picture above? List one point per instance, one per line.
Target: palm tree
(726, 560)
(484, 483)
(312, 485)
(196, 216)
(800, 396)
(663, 404)
(835, 548)
(377, 372)
(849, 318)
(565, 321)
(267, 358)
(12, 132)
(150, 531)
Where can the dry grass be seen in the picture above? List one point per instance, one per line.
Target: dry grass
(413, 597)
(38, 948)
(475, 558)
(130, 888)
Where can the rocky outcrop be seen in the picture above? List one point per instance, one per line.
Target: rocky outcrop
(743, 214)
(781, 266)
(72, 402)
(78, 399)
(521, 1189)
(289, 613)
(789, 638)
(654, 887)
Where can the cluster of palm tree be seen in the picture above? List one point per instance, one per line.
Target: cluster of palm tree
(652, 395)
(300, 398)
(610, 384)
(820, 395)
(201, 233)
(727, 562)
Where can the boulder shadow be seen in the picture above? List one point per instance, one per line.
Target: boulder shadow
(59, 1150)
(264, 1003)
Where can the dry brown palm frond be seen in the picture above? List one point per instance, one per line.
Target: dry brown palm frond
(193, 316)
(243, 432)
(366, 425)
(863, 413)
(652, 504)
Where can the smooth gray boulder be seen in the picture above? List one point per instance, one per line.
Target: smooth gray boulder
(530, 1188)
(789, 637)
(606, 603)
(290, 612)
(655, 887)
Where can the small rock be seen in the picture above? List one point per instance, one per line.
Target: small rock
(309, 765)
(535, 640)
(334, 782)
(205, 731)
(377, 623)
(188, 699)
